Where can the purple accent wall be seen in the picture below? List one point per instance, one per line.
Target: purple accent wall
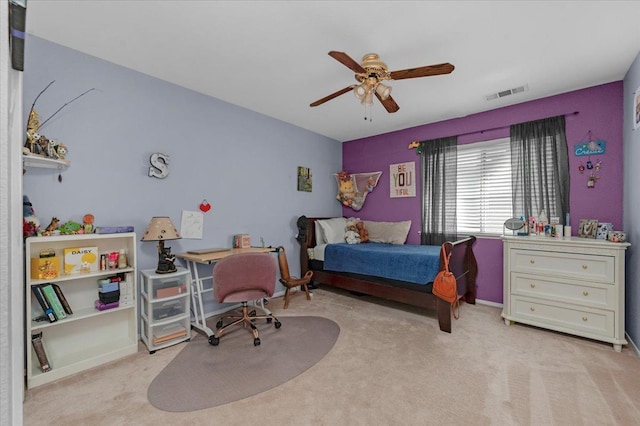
(600, 110)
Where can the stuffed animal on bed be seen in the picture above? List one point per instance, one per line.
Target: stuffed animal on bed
(351, 235)
(362, 232)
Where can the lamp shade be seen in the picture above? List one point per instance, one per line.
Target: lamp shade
(160, 228)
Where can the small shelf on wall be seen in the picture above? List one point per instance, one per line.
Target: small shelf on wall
(44, 162)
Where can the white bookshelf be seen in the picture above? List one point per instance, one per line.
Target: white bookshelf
(88, 337)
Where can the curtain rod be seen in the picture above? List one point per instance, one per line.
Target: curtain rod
(415, 144)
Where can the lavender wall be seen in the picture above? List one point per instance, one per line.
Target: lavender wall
(243, 163)
(599, 111)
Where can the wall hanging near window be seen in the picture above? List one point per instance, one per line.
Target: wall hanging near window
(588, 147)
(402, 182)
(353, 188)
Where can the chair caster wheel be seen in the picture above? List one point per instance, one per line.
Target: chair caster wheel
(219, 324)
(256, 341)
(269, 320)
(214, 341)
(278, 324)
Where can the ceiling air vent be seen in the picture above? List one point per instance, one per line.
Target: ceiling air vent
(508, 92)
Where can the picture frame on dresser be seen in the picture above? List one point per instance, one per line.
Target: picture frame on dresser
(588, 228)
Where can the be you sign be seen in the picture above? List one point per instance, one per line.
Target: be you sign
(402, 180)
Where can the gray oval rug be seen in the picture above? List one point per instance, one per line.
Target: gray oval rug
(204, 376)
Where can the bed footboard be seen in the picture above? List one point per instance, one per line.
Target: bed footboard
(462, 263)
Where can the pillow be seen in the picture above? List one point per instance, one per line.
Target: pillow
(388, 232)
(320, 239)
(333, 230)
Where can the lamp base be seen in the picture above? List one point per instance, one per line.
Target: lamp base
(165, 269)
(165, 260)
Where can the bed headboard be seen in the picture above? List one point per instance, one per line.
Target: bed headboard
(307, 231)
(307, 239)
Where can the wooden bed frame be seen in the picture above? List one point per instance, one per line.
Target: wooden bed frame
(462, 263)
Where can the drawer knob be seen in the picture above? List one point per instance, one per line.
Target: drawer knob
(532, 309)
(585, 293)
(532, 285)
(532, 261)
(584, 319)
(584, 266)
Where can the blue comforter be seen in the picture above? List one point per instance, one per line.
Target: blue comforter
(412, 263)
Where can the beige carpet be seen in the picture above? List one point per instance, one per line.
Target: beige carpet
(204, 376)
(391, 365)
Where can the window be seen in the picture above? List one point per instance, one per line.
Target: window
(484, 187)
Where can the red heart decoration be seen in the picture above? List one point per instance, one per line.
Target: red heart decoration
(205, 207)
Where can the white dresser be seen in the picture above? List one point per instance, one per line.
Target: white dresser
(573, 285)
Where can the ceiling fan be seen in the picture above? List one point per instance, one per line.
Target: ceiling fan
(371, 72)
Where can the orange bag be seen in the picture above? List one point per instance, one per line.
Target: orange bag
(445, 287)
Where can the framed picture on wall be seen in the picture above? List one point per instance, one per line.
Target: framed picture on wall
(305, 179)
(636, 109)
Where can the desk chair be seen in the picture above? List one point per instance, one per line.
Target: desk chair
(291, 282)
(240, 278)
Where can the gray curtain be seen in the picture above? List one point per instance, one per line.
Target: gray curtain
(540, 168)
(439, 162)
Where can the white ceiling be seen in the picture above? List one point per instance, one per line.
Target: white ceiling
(271, 56)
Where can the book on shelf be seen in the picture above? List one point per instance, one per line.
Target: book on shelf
(54, 302)
(38, 347)
(46, 308)
(112, 229)
(63, 300)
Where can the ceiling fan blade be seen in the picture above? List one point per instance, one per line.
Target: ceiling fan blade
(347, 61)
(438, 69)
(389, 104)
(333, 95)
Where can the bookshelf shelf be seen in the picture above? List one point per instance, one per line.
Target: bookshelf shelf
(87, 337)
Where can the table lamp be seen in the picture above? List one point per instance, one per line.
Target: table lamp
(160, 229)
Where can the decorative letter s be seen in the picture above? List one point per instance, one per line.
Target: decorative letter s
(159, 165)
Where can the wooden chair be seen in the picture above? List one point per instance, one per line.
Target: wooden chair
(291, 282)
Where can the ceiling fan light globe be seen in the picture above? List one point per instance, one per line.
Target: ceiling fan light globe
(360, 91)
(383, 91)
(368, 99)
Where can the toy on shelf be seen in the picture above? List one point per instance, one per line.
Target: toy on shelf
(52, 227)
(30, 222)
(87, 223)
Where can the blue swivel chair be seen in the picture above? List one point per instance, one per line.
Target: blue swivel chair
(241, 278)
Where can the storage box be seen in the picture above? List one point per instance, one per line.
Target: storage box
(603, 230)
(171, 291)
(81, 259)
(45, 268)
(241, 241)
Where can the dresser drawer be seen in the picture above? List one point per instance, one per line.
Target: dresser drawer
(568, 318)
(581, 266)
(594, 295)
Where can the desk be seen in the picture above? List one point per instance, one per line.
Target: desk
(197, 288)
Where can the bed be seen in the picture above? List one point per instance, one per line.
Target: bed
(413, 290)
